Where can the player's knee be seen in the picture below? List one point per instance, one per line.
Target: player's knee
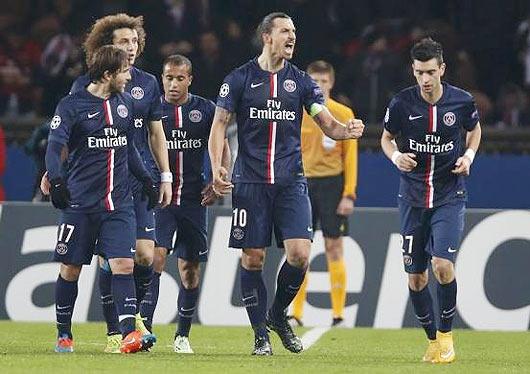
(70, 273)
(418, 282)
(159, 260)
(121, 265)
(334, 251)
(298, 259)
(443, 270)
(189, 274)
(144, 252)
(253, 259)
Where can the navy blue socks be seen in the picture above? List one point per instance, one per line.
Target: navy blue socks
(423, 308)
(186, 305)
(65, 296)
(254, 298)
(447, 304)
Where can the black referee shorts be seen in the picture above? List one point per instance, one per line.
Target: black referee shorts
(325, 194)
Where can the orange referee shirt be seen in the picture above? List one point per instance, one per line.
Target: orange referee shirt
(325, 157)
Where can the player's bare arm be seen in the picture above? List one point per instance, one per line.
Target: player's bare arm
(352, 129)
(216, 145)
(463, 163)
(403, 161)
(157, 143)
(209, 196)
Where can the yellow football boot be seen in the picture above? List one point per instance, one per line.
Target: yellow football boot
(113, 343)
(432, 352)
(447, 350)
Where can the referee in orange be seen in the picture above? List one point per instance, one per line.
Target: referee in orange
(331, 170)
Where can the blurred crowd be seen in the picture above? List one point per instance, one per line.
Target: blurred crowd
(487, 47)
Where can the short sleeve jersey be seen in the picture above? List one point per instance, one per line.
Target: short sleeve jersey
(96, 132)
(434, 133)
(268, 108)
(187, 128)
(145, 91)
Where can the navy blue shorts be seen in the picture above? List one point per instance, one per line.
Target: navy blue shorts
(428, 233)
(259, 208)
(189, 224)
(81, 235)
(145, 219)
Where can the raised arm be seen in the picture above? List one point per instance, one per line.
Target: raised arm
(352, 129)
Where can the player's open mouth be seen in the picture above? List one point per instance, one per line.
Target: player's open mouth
(289, 47)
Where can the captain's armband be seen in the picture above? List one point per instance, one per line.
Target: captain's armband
(315, 108)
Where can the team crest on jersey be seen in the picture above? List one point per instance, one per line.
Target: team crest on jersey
(224, 90)
(195, 116)
(449, 118)
(137, 93)
(122, 110)
(56, 121)
(61, 248)
(238, 233)
(407, 260)
(289, 85)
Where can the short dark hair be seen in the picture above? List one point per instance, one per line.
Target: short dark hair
(178, 60)
(321, 66)
(427, 49)
(267, 23)
(107, 58)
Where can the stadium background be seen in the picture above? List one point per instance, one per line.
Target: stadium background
(487, 48)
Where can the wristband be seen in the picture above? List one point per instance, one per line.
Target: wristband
(166, 177)
(395, 156)
(470, 154)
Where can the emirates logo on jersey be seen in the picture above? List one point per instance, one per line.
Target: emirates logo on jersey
(289, 85)
(449, 119)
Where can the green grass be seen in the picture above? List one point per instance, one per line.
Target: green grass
(29, 347)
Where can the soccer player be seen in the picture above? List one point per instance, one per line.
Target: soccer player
(187, 122)
(331, 170)
(266, 96)
(127, 32)
(97, 126)
(426, 122)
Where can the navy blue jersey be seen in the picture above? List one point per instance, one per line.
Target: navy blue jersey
(187, 128)
(434, 134)
(268, 108)
(96, 132)
(145, 91)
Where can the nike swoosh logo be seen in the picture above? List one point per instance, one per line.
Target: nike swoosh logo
(133, 250)
(254, 85)
(451, 250)
(412, 118)
(309, 229)
(187, 309)
(62, 307)
(447, 354)
(128, 342)
(92, 115)
(130, 298)
(203, 253)
(148, 229)
(163, 117)
(247, 298)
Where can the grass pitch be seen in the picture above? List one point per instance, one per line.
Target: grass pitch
(28, 347)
